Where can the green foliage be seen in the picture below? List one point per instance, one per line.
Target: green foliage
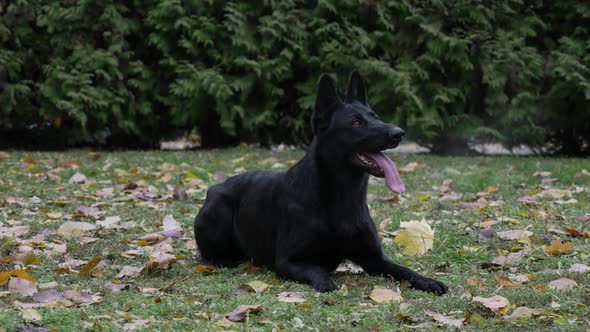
(513, 71)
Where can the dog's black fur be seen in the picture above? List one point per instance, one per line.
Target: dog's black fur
(303, 222)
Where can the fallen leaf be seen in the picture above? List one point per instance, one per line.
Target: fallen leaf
(549, 180)
(244, 289)
(4, 155)
(92, 263)
(528, 200)
(169, 223)
(129, 271)
(411, 167)
(136, 323)
(543, 174)
(553, 193)
(117, 287)
(81, 297)
(573, 232)
(14, 231)
(505, 282)
(579, 268)
(558, 247)
(71, 229)
(205, 268)
(78, 178)
(384, 295)
(523, 313)
(444, 319)
(514, 235)
(258, 286)
(490, 189)
(30, 314)
(472, 205)
(109, 222)
(21, 286)
(291, 297)
(578, 174)
(415, 237)
(50, 295)
(240, 313)
(495, 303)
(4, 276)
(563, 283)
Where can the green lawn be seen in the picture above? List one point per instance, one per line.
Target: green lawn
(35, 191)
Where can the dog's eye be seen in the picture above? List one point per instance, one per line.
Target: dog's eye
(356, 123)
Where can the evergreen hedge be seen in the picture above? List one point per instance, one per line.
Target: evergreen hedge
(132, 72)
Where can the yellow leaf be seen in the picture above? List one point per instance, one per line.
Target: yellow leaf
(258, 286)
(17, 273)
(423, 198)
(415, 238)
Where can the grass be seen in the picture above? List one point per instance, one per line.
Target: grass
(199, 301)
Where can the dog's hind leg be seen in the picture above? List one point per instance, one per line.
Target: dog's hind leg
(214, 231)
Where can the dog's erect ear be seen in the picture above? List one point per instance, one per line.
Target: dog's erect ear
(356, 89)
(325, 103)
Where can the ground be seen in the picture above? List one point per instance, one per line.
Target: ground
(76, 221)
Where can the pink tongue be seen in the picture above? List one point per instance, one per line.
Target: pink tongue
(392, 178)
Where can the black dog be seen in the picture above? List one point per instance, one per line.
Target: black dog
(303, 222)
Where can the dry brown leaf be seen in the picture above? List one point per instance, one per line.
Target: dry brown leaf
(558, 247)
(563, 283)
(92, 263)
(573, 232)
(4, 155)
(384, 295)
(505, 282)
(291, 297)
(582, 173)
(495, 303)
(240, 313)
(444, 319)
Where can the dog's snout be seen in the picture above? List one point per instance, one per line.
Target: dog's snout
(396, 134)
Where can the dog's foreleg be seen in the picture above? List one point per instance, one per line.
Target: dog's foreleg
(381, 265)
(313, 275)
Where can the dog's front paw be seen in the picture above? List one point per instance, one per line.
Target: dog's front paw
(324, 286)
(430, 285)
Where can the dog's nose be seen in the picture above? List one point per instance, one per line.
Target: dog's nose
(396, 134)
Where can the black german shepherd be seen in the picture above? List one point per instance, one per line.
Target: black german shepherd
(303, 222)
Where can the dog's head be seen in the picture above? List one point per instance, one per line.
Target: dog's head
(353, 128)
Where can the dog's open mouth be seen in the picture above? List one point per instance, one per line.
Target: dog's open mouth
(380, 165)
